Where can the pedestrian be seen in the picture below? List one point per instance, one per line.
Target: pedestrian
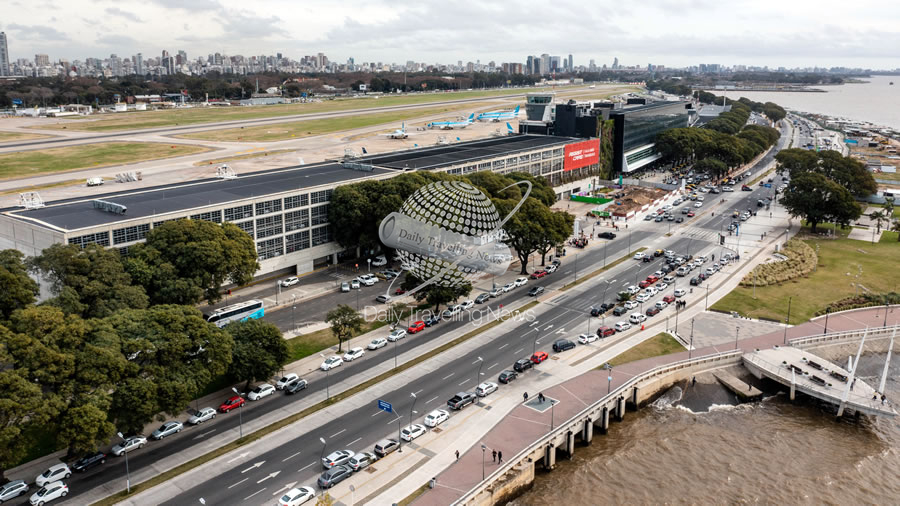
(457, 454)
(499, 457)
(875, 396)
(883, 399)
(494, 456)
(693, 381)
(525, 397)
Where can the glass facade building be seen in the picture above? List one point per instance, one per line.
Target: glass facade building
(636, 129)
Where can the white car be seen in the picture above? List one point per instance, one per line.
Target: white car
(287, 378)
(630, 304)
(680, 292)
(345, 286)
(622, 326)
(354, 354)
(167, 429)
(436, 418)
(291, 281)
(698, 204)
(469, 304)
(331, 363)
(297, 496)
(661, 286)
(650, 290)
(508, 287)
(636, 318)
(659, 274)
(485, 389)
(365, 280)
(727, 189)
(451, 311)
(380, 261)
(551, 268)
(49, 492)
(354, 284)
(639, 255)
(587, 338)
(396, 335)
(378, 342)
(521, 281)
(202, 416)
(632, 289)
(261, 391)
(55, 473)
(411, 432)
(132, 443)
(710, 271)
(661, 304)
(644, 297)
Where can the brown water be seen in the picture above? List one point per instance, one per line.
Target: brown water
(766, 452)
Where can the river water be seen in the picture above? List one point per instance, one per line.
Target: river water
(875, 101)
(698, 447)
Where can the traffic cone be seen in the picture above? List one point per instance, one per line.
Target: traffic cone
(642, 326)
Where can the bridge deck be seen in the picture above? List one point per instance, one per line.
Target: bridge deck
(816, 377)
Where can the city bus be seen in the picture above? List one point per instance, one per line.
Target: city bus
(236, 312)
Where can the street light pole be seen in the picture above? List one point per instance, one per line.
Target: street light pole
(483, 448)
(609, 369)
(737, 332)
(324, 445)
(706, 308)
(327, 380)
(691, 346)
(788, 320)
(240, 412)
(534, 345)
(478, 377)
(127, 472)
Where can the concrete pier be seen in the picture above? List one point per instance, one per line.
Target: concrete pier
(745, 391)
(587, 432)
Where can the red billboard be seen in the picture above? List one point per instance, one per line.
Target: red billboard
(581, 154)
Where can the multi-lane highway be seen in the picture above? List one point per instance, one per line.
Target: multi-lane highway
(358, 431)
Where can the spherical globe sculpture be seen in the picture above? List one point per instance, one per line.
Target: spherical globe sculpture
(452, 206)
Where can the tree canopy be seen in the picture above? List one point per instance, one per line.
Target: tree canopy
(817, 199)
(846, 171)
(259, 350)
(17, 289)
(345, 321)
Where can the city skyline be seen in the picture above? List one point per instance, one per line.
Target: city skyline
(800, 34)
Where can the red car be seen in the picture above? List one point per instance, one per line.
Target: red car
(538, 274)
(606, 331)
(652, 279)
(691, 214)
(399, 291)
(416, 326)
(232, 403)
(668, 299)
(539, 357)
(645, 283)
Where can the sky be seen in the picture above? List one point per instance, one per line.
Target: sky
(675, 33)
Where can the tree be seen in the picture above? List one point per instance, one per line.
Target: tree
(896, 228)
(17, 289)
(172, 353)
(878, 217)
(22, 409)
(345, 321)
(183, 261)
(89, 282)
(715, 168)
(817, 199)
(557, 228)
(259, 351)
(437, 293)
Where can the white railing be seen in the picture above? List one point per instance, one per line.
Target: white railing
(800, 342)
(564, 427)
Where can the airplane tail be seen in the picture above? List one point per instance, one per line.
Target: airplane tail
(509, 129)
(364, 151)
(472, 117)
(516, 112)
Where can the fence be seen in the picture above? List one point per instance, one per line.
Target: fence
(847, 335)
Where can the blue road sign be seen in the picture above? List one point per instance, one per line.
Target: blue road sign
(17, 101)
(385, 406)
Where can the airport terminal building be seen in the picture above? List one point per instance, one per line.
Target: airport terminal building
(285, 210)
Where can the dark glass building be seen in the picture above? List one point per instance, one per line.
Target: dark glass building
(636, 129)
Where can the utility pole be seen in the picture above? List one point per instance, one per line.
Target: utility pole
(788, 320)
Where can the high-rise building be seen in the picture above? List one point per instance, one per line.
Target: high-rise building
(529, 65)
(139, 64)
(571, 65)
(41, 60)
(4, 55)
(545, 64)
(615, 63)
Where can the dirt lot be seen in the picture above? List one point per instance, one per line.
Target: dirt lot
(633, 198)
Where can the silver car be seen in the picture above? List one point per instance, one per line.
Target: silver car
(337, 458)
(361, 460)
(12, 490)
(202, 416)
(129, 445)
(167, 429)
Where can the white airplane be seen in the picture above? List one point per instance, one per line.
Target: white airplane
(400, 133)
(450, 125)
(501, 133)
(497, 116)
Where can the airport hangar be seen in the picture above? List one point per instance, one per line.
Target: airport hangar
(285, 210)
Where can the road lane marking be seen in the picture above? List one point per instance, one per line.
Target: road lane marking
(338, 433)
(473, 363)
(304, 468)
(448, 376)
(198, 436)
(493, 366)
(464, 382)
(377, 413)
(254, 493)
(238, 483)
(519, 351)
(417, 393)
(429, 400)
(291, 456)
(354, 441)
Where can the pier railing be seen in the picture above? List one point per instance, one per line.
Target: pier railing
(846, 335)
(721, 358)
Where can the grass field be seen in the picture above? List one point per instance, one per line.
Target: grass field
(30, 163)
(256, 154)
(20, 136)
(657, 346)
(175, 117)
(842, 262)
(285, 131)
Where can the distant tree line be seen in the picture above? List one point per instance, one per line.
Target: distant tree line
(120, 341)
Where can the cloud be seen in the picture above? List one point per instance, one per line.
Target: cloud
(117, 41)
(36, 32)
(189, 5)
(241, 24)
(115, 11)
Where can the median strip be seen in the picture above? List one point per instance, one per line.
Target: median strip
(254, 436)
(601, 270)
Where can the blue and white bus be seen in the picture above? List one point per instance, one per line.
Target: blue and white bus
(237, 312)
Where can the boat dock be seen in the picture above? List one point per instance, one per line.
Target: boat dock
(816, 377)
(745, 391)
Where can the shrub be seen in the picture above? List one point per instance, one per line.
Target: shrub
(801, 260)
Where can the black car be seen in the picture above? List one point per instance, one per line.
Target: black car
(695, 281)
(435, 319)
(507, 376)
(481, 299)
(536, 291)
(679, 220)
(596, 311)
(522, 364)
(563, 345)
(606, 306)
(606, 235)
(648, 258)
(619, 311)
(89, 461)
(295, 386)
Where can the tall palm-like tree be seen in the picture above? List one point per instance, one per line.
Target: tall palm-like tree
(896, 228)
(878, 217)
